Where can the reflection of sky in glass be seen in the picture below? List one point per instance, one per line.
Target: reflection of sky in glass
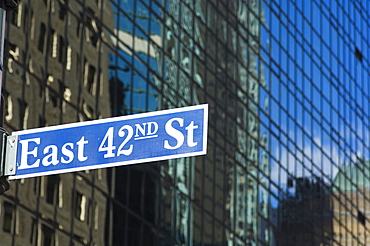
(135, 26)
(138, 14)
(319, 91)
(316, 84)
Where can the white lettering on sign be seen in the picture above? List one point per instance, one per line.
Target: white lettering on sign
(146, 130)
(178, 136)
(52, 157)
(26, 152)
(67, 152)
(51, 153)
(122, 133)
(107, 145)
(190, 140)
(110, 142)
(81, 146)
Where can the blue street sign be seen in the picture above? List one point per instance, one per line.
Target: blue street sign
(138, 138)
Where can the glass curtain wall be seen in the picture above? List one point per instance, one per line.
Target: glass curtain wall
(288, 145)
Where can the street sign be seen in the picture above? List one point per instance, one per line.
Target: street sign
(124, 140)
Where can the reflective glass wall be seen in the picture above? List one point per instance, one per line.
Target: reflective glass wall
(288, 143)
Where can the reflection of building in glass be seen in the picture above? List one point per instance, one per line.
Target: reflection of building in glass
(351, 204)
(56, 72)
(182, 43)
(219, 68)
(251, 203)
(286, 82)
(305, 214)
(135, 43)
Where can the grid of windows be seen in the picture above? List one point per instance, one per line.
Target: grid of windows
(288, 159)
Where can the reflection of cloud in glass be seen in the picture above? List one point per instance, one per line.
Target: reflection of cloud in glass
(129, 43)
(310, 162)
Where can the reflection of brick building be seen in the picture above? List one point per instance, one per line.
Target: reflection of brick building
(351, 205)
(305, 216)
(56, 72)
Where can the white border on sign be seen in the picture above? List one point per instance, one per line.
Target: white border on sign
(114, 164)
(119, 118)
(114, 119)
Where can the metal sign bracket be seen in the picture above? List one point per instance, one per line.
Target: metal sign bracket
(10, 155)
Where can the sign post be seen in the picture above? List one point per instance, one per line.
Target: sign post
(5, 5)
(124, 140)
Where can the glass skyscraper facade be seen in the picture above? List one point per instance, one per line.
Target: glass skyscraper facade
(286, 81)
